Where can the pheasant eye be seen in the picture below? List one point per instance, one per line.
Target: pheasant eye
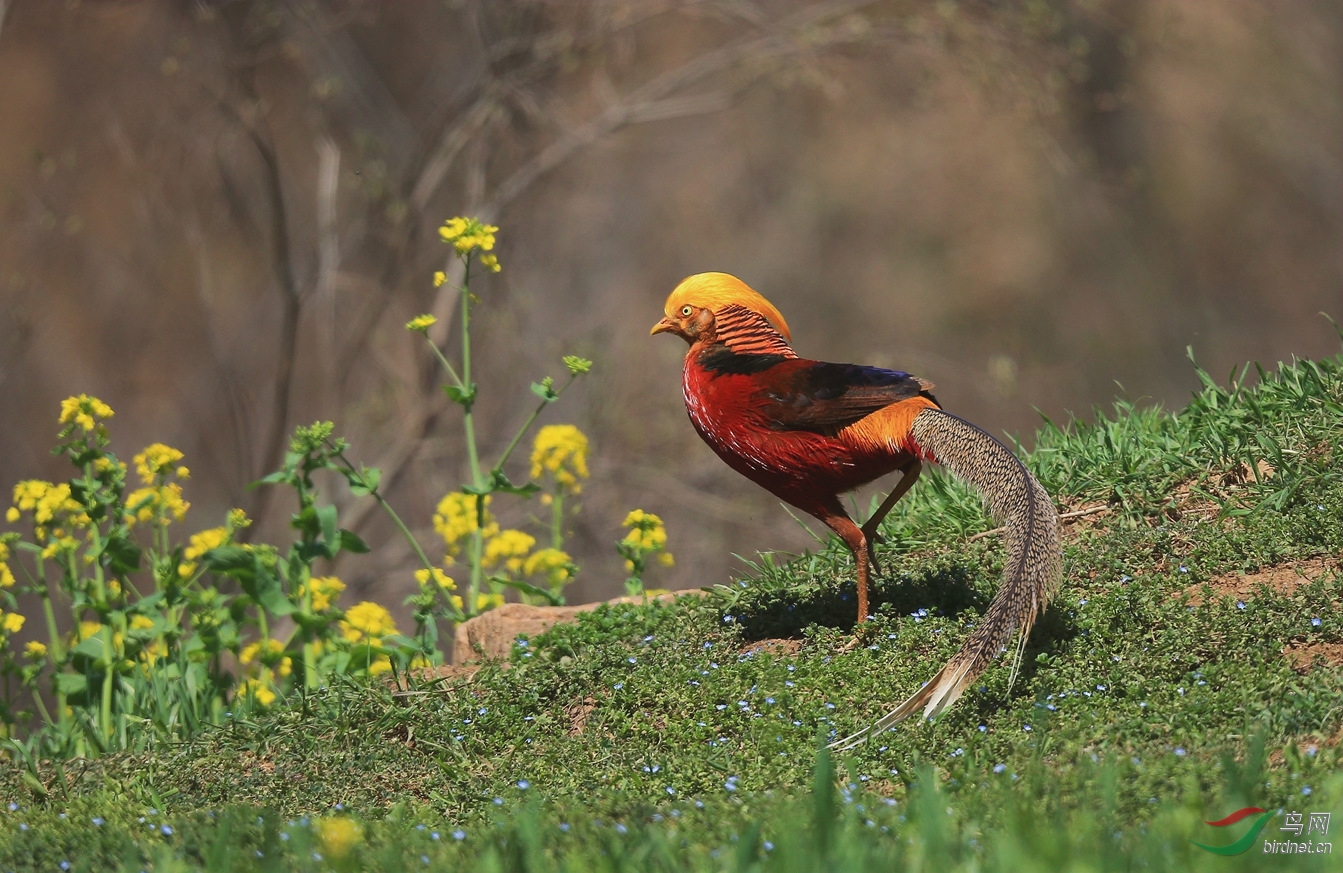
(686, 310)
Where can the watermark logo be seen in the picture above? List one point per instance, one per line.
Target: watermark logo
(1295, 823)
(1247, 839)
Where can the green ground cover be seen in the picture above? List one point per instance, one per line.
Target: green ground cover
(1162, 689)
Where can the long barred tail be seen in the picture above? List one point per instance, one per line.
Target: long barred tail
(1033, 569)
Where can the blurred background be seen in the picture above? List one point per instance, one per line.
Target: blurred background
(218, 216)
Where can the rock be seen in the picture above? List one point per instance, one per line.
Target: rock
(491, 634)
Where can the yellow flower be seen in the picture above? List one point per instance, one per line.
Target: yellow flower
(141, 622)
(35, 651)
(84, 411)
(666, 559)
(87, 629)
(258, 690)
(6, 574)
(237, 519)
(160, 504)
(156, 460)
(561, 450)
(507, 548)
(468, 234)
(198, 545)
(554, 564)
(488, 601)
(440, 278)
(443, 579)
(338, 835)
(647, 531)
(455, 520)
(367, 620)
(12, 622)
(421, 323)
(490, 262)
(325, 591)
(12, 514)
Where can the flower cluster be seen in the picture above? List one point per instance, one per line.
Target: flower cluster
(468, 235)
(646, 536)
(562, 451)
(84, 412)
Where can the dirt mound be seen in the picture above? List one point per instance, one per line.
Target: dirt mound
(1282, 578)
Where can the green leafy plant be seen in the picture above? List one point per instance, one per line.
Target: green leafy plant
(497, 558)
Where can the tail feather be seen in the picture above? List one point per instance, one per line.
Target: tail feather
(1033, 570)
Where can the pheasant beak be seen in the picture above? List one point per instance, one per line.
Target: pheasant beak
(663, 326)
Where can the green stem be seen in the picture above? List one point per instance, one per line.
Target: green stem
(105, 709)
(526, 425)
(557, 519)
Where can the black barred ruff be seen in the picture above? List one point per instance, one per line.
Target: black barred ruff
(747, 332)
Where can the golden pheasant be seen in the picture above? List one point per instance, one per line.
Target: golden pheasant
(809, 431)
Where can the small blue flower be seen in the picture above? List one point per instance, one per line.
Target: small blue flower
(618, 686)
(983, 729)
(998, 768)
(1026, 727)
(767, 846)
(1314, 622)
(670, 790)
(98, 820)
(166, 830)
(632, 659)
(1180, 752)
(1240, 604)
(523, 784)
(1184, 569)
(1305, 789)
(564, 826)
(459, 835)
(64, 865)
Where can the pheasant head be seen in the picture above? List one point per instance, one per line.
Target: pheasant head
(718, 307)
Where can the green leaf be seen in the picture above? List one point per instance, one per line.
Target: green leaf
(71, 684)
(366, 481)
(326, 516)
(351, 542)
(122, 553)
(528, 588)
(545, 389)
(233, 561)
(499, 481)
(461, 396)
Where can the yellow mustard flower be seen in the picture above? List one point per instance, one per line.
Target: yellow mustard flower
(468, 234)
(647, 531)
(87, 629)
(157, 504)
(367, 621)
(421, 323)
(325, 591)
(490, 262)
(198, 545)
(443, 579)
(258, 690)
(6, 574)
(486, 602)
(455, 519)
(84, 411)
(237, 519)
(555, 565)
(34, 650)
(156, 460)
(154, 652)
(12, 514)
(338, 835)
(507, 549)
(562, 451)
(440, 279)
(11, 622)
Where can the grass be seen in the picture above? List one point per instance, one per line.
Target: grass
(686, 736)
